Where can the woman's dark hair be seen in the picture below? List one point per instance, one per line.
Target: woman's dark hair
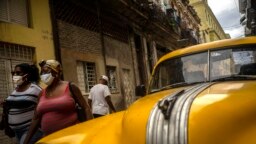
(31, 70)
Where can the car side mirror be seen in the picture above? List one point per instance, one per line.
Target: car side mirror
(140, 90)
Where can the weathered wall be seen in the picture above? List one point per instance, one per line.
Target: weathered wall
(39, 35)
(80, 44)
(120, 55)
(77, 43)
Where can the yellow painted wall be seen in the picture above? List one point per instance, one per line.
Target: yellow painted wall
(38, 35)
(209, 24)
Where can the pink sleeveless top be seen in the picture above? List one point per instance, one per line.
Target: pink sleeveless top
(57, 112)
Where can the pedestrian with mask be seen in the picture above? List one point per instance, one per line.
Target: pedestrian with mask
(99, 98)
(57, 105)
(20, 105)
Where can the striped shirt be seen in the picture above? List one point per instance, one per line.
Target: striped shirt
(21, 106)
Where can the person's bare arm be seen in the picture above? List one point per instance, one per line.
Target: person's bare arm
(108, 99)
(81, 101)
(35, 123)
(90, 103)
(32, 129)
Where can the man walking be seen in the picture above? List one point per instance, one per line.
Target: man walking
(99, 98)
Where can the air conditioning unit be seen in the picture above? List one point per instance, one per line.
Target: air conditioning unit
(243, 19)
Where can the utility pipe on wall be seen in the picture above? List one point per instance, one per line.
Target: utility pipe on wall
(101, 34)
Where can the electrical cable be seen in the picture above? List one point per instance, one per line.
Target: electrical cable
(232, 27)
(236, 5)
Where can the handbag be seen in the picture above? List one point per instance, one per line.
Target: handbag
(80, 111)
(4, 122)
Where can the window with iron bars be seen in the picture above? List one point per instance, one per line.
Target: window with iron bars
(112, 75)
(86, 73)
(11, 55)
(14, 11)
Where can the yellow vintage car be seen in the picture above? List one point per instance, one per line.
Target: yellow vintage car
(203, 94)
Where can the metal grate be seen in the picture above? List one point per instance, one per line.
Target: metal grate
(111, 72)
(11, 55)
(128, 88)
(86, 73)
(76, 15)
(3, 80)
(86, 17)
(15, 51)
(114, 30)
(6, 87)
(90, 75)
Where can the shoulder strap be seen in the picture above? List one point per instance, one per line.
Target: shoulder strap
(71, 91)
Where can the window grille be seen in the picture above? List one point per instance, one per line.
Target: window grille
(8, 60)
(15, 11)
(3, 80)
(10, 56)
(112, 75)
(15, 51)
(86, 17)
(86, 73)
(128, 87)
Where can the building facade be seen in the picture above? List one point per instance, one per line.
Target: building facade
(210, 29)
(119, 38)
(25, 36)
(122, 39)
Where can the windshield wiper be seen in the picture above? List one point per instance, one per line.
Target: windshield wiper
(175, 85)
(235, 77)
(179, 84)
(169, 86)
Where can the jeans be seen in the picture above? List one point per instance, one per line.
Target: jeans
(22, 133)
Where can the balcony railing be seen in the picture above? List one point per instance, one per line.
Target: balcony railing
(140, 5)
(188, 34)
(165, 18)
(185, 2)
(154, 13)
(194, 14)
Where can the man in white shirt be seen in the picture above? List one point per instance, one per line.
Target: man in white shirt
(99, 98)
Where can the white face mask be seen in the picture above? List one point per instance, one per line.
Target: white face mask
(17, 80)
(47, 78)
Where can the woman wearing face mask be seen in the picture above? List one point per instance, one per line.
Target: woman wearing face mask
(56, 108)
(23, 100)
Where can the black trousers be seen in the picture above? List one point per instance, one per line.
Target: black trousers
(97, 115)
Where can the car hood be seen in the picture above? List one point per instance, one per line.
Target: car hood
(224, 113)
(216, 112)
(125, 127)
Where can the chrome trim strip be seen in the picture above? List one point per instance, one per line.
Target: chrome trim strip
(184, 114)
(174, 129)
(209, 66)
(175, 120)
(158, 133)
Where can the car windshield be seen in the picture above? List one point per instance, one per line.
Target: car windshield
(216, 65)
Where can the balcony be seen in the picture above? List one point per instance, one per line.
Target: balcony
(149, 16)
(194, 14)
(166, 19)
(140, 5)
(189, 36)
(185, 2)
